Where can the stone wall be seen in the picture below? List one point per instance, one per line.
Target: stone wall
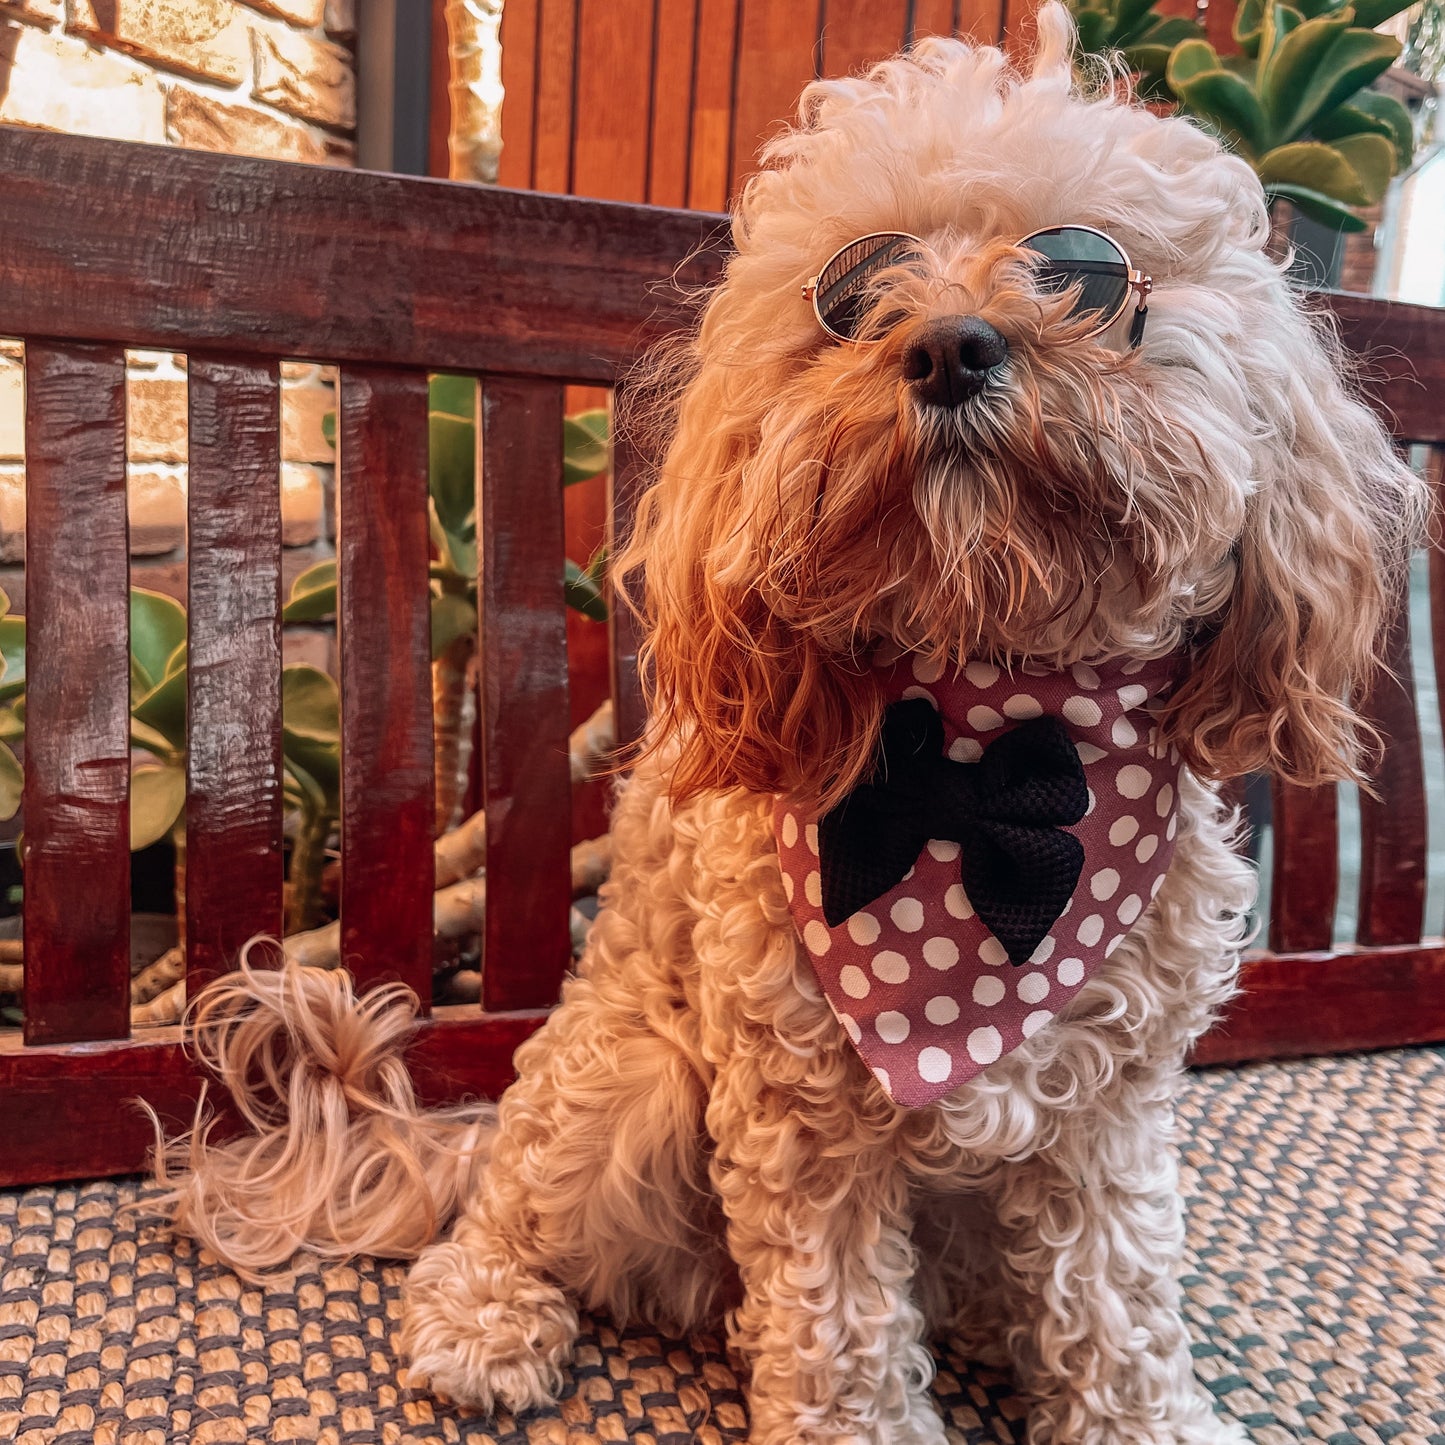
(272, 78)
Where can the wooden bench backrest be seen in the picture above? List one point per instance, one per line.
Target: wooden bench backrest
(241, 264)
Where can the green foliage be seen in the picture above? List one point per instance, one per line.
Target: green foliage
(1294, 103)
(452, 483)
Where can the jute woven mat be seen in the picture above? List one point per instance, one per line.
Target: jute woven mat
(1315, 1289)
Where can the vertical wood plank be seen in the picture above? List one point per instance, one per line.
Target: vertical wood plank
(1435, 473)
(556, 96)
(1392, 825)
(776, 46)
(77, 765)
(1306, 869)
(519, 92)
(233, 736)
(858, 32)
(672, 102)
(932, 17)
(439, 97)
(714, 81)
(1019, 27)
(384, 631)
(628, 478)
(615, 72)
(524, 695)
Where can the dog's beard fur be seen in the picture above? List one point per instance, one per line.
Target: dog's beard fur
(1218, 493)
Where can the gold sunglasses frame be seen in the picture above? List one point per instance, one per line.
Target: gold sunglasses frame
(1137, 281)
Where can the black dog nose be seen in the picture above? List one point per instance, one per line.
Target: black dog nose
(950, 361)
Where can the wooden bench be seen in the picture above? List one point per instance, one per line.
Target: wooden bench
(241, 264)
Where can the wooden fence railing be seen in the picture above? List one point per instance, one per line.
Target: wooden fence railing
(241, 264)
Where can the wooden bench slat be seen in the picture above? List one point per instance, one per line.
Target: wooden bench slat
(526, 780)
(297, 260)
(1306, 871)
(1393, 824)
(1329, 1003)
(627, 480)
(233, 742)
(384, 625)
(77, 763)
(71, 1114)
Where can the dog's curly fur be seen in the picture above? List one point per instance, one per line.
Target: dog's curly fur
(692, 1131)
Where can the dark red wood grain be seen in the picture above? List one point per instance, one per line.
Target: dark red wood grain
(77, 762)
(1306, 871)
(72, 1114)
(1435, 471)
(1330, 1003)
(1392, 817)
(293, 260)
(527, 784)
(387, 787)
(1399, 352)
(628, 478)
(233, 755)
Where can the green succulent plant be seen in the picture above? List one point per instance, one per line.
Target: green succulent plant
(1135, 30)
(1295, 102)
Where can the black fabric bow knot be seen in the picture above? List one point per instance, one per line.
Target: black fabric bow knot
(1005, 812)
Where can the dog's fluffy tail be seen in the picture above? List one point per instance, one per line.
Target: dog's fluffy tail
(338, 1157)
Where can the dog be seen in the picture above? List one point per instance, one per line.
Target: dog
(1011, 502)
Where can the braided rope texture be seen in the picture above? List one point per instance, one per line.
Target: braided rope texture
(1314, 1287)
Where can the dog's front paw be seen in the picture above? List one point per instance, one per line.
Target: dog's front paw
(485, 1332)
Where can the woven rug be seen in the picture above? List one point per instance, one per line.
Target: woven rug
(1315, 1286)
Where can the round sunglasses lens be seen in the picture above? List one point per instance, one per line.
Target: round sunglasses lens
(843, 297)
(1071, 256)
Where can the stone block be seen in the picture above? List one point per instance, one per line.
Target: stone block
(39, 12)
(156, 420)
(12, 412)
(203, 123)
(303, 76)
(302, 410)
(157, 507)
(205, 38)
(58, 82)
(301, 504)
(306, 13)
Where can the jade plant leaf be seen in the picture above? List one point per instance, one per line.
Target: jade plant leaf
(584, 446)
(12, 653)
(1319, 207)
(451, 617)
(163, 709)
(453, 442)
(1318, 66)
(12, 783)
(1371, 112)
(311, 726)
(1218, 96)
(157, 798)
(313, 595)
(157, 628)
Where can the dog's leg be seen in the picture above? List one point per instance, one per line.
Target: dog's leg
(818, 1225)
(595, 1189)
(1092, 1238)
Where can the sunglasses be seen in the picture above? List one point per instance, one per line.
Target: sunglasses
(1063, 257)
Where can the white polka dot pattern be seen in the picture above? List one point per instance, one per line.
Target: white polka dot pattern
(927, 995)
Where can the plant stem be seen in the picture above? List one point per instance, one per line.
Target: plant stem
(451, 722)
(308, 857)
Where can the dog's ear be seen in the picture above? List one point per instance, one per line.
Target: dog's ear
(737, 695)
(1276, 679)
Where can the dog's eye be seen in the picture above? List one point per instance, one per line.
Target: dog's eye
(841, 295)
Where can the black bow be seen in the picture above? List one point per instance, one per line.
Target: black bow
(1005, 812)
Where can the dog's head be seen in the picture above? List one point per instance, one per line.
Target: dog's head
(980, 472)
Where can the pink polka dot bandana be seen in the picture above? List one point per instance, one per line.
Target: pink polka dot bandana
(923, 988)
